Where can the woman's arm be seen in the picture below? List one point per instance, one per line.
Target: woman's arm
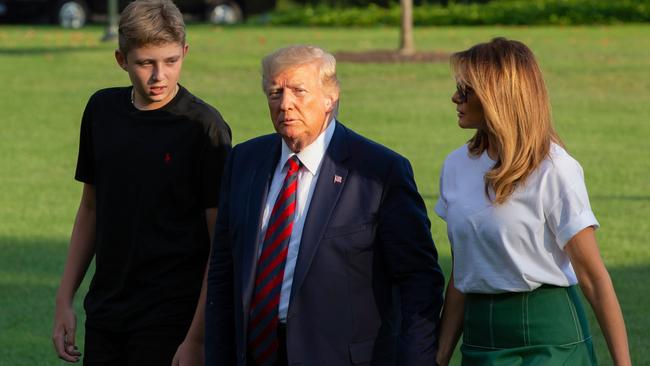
(451, 322)
(598, 289)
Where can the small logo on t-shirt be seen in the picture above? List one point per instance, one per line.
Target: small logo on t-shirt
(168, 158)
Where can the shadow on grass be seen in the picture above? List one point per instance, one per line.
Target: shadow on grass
(30, 270)
(619, 198)
(31, 51)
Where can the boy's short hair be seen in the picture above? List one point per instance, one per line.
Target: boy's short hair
(150, 22)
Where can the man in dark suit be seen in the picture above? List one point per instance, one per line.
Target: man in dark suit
(322, 253)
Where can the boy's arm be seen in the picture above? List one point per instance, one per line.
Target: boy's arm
(190, 351)
(80, 254)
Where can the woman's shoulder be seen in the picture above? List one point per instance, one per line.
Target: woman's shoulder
(462, 159)
(560, 166)
(560, 159)
(458, 155)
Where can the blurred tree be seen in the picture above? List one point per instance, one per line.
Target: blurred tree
(406, 44)
(111, 26)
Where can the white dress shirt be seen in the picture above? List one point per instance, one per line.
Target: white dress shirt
(311, 158)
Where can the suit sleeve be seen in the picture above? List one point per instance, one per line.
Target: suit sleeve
(412, 260)
(219, 311)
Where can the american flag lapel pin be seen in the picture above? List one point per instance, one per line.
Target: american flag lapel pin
(338, 179)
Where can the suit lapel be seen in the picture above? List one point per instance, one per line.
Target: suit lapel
(331, 179)
(258, 190)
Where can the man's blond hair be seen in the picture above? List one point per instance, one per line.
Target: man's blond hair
(150, 22)
(298, 55)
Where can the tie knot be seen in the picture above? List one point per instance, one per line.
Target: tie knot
(294, 164)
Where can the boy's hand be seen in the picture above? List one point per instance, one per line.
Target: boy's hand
(189, 353)
(65, 326)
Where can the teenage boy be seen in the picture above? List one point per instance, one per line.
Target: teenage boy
(150, 157)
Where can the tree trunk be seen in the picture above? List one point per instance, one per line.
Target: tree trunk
(111, 27)
(406, 45)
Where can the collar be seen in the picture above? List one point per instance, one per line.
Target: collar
(311, 156)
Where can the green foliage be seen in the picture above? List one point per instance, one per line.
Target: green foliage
(504, 12)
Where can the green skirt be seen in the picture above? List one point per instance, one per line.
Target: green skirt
(545, 327)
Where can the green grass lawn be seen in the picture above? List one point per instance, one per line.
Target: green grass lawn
(599, 81)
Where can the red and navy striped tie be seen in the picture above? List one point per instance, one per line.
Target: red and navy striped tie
(263, 325)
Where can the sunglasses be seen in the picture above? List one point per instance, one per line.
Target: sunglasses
(463, 92)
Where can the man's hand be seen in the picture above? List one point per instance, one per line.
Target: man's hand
(189, 353)
(65, 326)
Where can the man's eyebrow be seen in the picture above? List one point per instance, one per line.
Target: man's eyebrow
(295, 85)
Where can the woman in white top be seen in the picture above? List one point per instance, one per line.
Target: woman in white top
(520, 225)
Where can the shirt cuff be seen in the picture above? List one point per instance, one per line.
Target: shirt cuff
(575, 225)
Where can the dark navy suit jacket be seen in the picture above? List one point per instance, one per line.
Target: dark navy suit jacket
(367, 288)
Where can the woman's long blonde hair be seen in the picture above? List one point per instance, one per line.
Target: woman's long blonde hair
(505, 77)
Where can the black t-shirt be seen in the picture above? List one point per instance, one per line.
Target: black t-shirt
(155, 172)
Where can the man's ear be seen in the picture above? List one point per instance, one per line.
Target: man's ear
(121, 59)
(185, 49)
(330, 101)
